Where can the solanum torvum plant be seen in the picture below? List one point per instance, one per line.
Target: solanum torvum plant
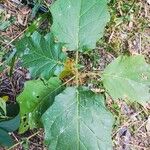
(74, 117)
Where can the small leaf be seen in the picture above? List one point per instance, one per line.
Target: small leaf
(5, 139)
(128, 77)
(44, 57)
(2, 107)
(5, 98)
(36, 97)
(79, 120)
(83, 22)
(36, 7)
(69, 69)
(4, 25)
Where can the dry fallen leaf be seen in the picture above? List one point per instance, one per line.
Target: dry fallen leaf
(23, 15)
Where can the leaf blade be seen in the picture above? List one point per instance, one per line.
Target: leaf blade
(81, 116)
(34, 101)
(83, 22)
(39, 56)
(128, 77)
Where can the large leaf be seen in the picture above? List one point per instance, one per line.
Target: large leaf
(79, 23)
(128, 77)
(44, 57)
(34, 101)
(78, 120)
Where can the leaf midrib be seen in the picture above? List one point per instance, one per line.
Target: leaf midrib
(44, 56)
(124, 78)
(56, 62)
(78, 122)
(80, 16)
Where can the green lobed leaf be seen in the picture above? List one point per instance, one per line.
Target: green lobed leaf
(43, 56)
(128, 77)
(79, 23)
(78, 120)
(36, 97)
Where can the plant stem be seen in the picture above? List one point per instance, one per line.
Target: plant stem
(77, 72)
(78, 99)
